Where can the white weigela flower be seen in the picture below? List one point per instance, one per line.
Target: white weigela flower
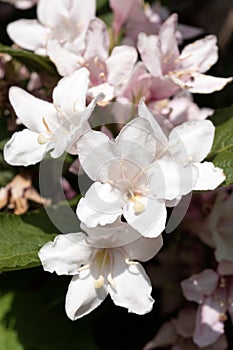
(123, 185)
(100, 267)
(49, 125)
(144, 170)
(64, 20)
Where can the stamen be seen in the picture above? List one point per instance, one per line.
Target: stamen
(111, 281)
(102, 75)
(98, 63)
(46, 125)
(138, 207)
(84, 267)
(99, 282)
(130, 262)
(43, 138)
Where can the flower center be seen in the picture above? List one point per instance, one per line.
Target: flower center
(103, 260)
(130, 180)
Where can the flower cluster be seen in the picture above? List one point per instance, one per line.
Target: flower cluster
(143, 80)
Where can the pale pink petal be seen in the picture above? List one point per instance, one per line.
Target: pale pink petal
(198, 286)
(206, 84)
(36, 41)
(97, 41)
(118, 74)
(148, 47)
(132, 286)
(121, 10)
(200, 55)
(208, 325)
(82, 297)
(168, 42)
(164, 87)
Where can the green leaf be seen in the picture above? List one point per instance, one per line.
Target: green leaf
(221, 115)
(222, 150)
(32, 61)
(101, 4)
(21, 238)
(8, 336)
(32, 306)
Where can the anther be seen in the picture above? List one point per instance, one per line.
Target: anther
(130, 262)
(99, 282)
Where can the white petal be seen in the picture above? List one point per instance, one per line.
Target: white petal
(144, 112)
(206, 84)
(96, 153)
(144, 249)
(65, 61)
(100, 206)
(106, 89)
(70, 93)
(52, 13)
(19, 31)
(31, 110)
(169, 180)
(133, 286)
(191, 141)
(149, 49)
(82, 297)
(65, 254)
(136, 142)
(24, 149)
(151, 222)
(209, 176)
(118, 74)
(113, 235)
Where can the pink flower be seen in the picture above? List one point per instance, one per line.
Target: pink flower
(172, 70)
(178, 333)
(214, 294)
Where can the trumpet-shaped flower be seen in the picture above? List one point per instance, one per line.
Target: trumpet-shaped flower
(214, 293)
(106, 74)
(172, 70)
(50, 126)
(143, 170)
(64, 20)
(100, 266)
